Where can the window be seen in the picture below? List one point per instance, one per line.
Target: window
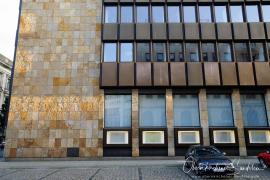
(257, 51)
(253, 109)
(224, 136)
(110, 14)
(186, 110)
(266, 13)
(142, 14)
(7, 83)
(126, 52)
(205, 14)
(109, 52)
(189, 14)
(153, 137)
(173, 14)
(152, 111)
(143, 52)
(158, 14)
(126, 14)
(219, 110)
(188, 137)
(208, 52)
(117, 137)
(237, 14)
(268, 47)
(225, 52)
(241, 52)
(192, 52)
(259, 136)
(176, 52)
(252, 13)
(117, 111)
(159, 50)
(221, 14)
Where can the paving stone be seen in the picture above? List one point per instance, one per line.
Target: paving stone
(28, 174)
(118, 173)
(73, 174)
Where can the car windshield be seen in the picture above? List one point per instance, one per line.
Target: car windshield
(207, 151)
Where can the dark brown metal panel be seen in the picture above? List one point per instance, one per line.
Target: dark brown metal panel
(161, 74)
(192, 31)
(110, 32)
(143, 74)
(245, 73)
(159, 31)
(240, 31)
(268, 30)
(195, 74)
(109, 74)
(208, 31)
(126, 74)
(178, 74)
(262, 73)
(257, 30)
(211, 73)
(224, 31)
(228, 74)
(126, 31)
(175, 31)
(143, 31)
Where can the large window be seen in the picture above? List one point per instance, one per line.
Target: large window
(241, 52)
(266, 13)
(186, 110)
(257, 51)
(252, 13)
(117, 111)
(109, 52)
(143, 52)
(192, 52)
(189, 14)
(142, 14)
(126, 14)
(237, 14)
(208, 52)
(219, 110)
(225, 51)
(126, 52)
(152, 111)
(176, 52)
(253, 109)
(173, 14)
(159, 50)
(205, 14)
(110, 14)
(158, 14)
(221, 14)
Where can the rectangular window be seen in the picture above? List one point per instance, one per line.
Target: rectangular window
(205, 14)
(188, 137)
(142, 14)
(268, 47)
(117, 137)
(257, 51)
(225, 52)
(159, 50)
(208, 52)
(266, 13)
(126, 50)
(152, 111)
(192, 52)
(158, 14)
(219, 110)
(259, 136)
(241, 52)
(176, 52)
(153, 137)
(126, 14)
(173, 14)
(189, 14)
(224, 136)
(143, 52)
(186, 110)
(117, 111)
(252, 13)
(237, 13)
(254, 110)
(109, 52)
(221, 14)
(110, 14)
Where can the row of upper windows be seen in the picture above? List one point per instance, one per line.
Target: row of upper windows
(191, 52)
(152, 110)
(218, 13)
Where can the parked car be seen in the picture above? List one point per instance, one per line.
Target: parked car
(208, 160)
(264, 159)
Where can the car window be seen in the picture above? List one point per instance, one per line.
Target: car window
(207, 151)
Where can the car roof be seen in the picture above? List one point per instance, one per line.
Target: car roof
(201, 146)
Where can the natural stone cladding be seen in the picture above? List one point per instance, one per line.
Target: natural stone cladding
(56, 102)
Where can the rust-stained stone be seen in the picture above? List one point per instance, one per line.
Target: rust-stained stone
(61, 81)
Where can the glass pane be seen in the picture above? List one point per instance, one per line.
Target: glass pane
(117, 137)
(188, 137)
(224, 136)
(219, 110)
(153, 137)
(158, 14)
(110, 14)
(257, 51)
(252, 13)
(225, 53)
(126, 14)
(143, 52)
(253, 109)
(266, 13)
(117, 111)
(237, 13)
(221, 14)
(208, 52)
(126, 52)
(142, 14)
(189, 14)
(241, 52)
(173, 14)
(205, 14)
(186, 110)
(259, 136)
(152, 111)
(159, 50)
(109, 52)
(192, 52)
(176, 52)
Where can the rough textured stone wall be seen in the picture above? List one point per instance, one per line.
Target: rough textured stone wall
(56, 101)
